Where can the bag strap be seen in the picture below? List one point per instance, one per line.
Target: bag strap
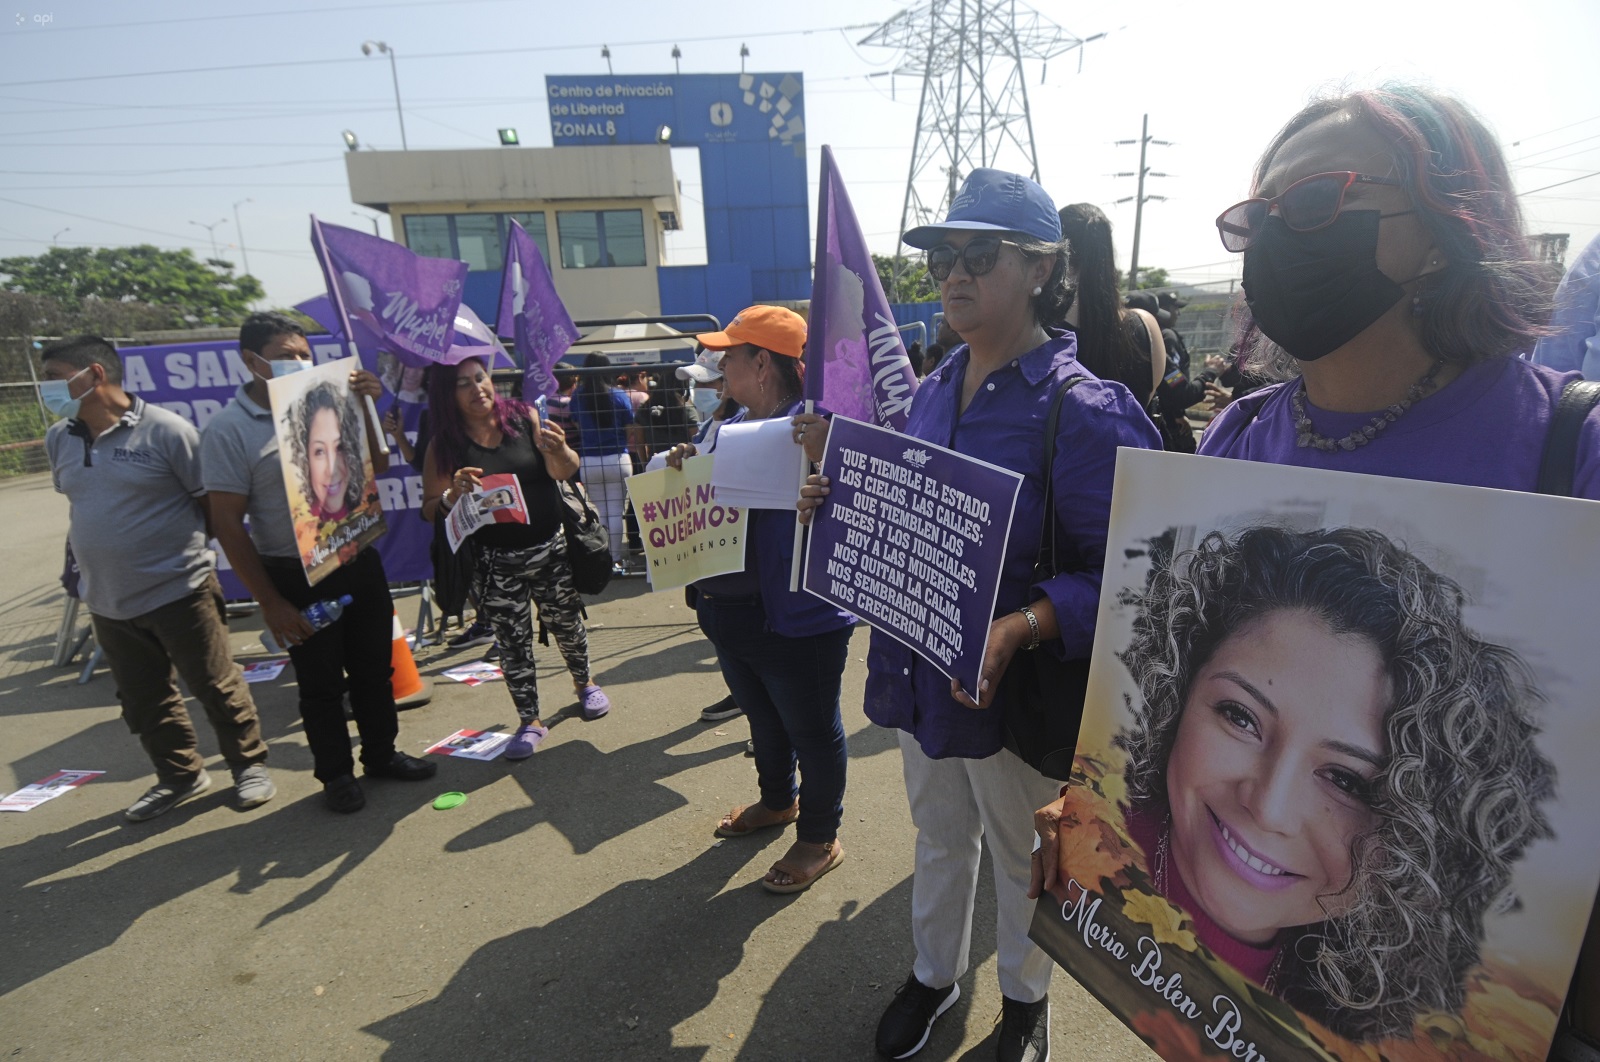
(1560, 461)
(1047, 532)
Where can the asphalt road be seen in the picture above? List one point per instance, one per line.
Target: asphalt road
(575, 907)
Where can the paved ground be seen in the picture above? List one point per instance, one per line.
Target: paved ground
(575, 907)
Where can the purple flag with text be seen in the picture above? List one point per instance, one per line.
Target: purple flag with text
(856, 362)
(532, 313)
(405, 300)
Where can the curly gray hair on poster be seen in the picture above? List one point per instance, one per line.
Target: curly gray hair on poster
(1457, 801)
(351, 428)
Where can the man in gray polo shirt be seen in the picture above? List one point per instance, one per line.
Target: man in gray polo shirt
(244, 477)
(132, 474)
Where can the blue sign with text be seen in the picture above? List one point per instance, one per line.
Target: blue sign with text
(750, 131)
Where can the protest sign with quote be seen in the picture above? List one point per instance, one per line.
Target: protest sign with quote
(912, 541)
(1334, 788)
(688, 534)
(327, 468)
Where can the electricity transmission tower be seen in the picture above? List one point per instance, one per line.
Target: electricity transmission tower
(974, 105)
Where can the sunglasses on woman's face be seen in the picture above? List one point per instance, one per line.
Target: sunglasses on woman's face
(977, 257)
(1307, 205)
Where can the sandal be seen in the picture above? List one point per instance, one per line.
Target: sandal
(736, 823)
(799, 882)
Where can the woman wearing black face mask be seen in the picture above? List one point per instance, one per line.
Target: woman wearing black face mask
(1385, 264)
(1387, 269)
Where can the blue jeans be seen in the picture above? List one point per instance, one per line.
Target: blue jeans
(789, 690)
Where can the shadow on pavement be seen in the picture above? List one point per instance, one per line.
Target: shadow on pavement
(609, 980)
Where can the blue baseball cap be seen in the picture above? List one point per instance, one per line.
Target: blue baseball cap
(995, 201)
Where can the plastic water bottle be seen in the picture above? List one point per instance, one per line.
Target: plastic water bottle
(319, 615)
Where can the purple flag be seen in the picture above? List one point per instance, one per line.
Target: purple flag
(407, 302)
(856, 362)
(533, 314)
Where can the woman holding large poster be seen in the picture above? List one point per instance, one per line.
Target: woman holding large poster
(1389, 277)
(1324, 757)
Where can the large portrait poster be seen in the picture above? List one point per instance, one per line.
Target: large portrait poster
(327, 468)
(1335, 791)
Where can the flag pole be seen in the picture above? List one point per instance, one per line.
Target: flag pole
(815, 356)
(800, 528)
(349, 336)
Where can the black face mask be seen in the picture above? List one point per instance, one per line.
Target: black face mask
(1313, 292)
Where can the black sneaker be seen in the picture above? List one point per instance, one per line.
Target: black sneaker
(1024, 1031)
(904, 1027)
(480, 633)
(343, 794)
(403, 768)
(726, 708)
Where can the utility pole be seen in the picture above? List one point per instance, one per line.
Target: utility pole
(1139, 198)
(240, 230)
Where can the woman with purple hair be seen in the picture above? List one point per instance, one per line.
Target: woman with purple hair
(1389, 279)
(517, 566)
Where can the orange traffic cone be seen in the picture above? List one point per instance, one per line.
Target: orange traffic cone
(411, 690)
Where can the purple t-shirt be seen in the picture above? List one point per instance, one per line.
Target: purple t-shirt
(1486, 428)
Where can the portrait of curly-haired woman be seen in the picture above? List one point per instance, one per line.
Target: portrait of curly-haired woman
(326, 433)
(1328, 770)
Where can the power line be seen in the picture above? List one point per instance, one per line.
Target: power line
(474, 54)
(1558, 184)
(157, 173)
(63, 28)
(182, 238)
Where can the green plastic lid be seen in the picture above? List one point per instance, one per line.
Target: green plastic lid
(446, 801)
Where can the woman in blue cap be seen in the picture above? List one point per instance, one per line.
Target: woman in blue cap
(1002, 265)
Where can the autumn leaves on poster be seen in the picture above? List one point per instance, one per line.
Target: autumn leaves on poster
(1331, 797)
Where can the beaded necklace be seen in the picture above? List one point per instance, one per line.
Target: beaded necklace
(1306, 435)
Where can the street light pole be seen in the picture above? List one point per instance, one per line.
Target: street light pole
(60, 234)
(372, 218)
(367, 48)
(211, 230)
(240, 230)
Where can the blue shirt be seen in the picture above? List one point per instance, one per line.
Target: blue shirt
(769, 550)
(1004, 425)
(593, 440)
(1575, 346)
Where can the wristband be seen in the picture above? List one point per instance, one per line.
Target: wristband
(1033, 627)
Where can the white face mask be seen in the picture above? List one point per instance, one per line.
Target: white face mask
(706, 401)
(285, 367)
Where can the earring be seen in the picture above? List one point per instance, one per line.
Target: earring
(1038, 290)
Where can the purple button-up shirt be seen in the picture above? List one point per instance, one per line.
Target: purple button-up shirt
(1004, 425)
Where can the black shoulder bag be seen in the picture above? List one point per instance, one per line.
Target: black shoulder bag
(1560, 459)
(1041, 696)
(588, 543)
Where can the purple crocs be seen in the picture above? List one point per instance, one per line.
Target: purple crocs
(525, 741)
(595, 702)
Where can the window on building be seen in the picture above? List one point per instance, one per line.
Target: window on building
(478, 240)
(429, 235)
(535, 224)
(593, 239)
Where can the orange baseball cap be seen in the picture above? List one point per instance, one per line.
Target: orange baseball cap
(768, 327)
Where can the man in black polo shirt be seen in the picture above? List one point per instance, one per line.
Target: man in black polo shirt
(132, 474)
(243, 476)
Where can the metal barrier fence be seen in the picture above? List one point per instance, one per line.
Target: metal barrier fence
(22, 425)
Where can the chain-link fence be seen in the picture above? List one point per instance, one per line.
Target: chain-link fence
(23, 418)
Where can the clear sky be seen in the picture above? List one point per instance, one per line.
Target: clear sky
(124, 123)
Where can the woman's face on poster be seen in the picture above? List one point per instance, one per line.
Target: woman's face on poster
(1270, 775)
(326, 460)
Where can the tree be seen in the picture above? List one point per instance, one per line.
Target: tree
(193, 291)
(1149, 277)
(914, 285)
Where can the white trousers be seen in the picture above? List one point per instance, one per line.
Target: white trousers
(605, 478)
(956, 804)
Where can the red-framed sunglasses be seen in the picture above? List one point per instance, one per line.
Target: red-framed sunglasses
(1307, 205)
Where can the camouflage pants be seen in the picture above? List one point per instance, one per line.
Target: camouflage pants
(510, 584)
